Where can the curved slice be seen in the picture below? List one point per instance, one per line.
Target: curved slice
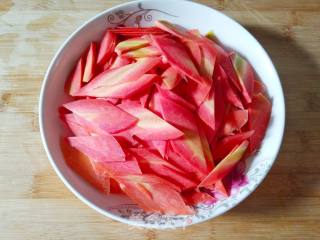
(234, 121)
(103, 114)
(225, 166)
(224, 146)
(259, 116)
(189, 146)
(153, 163)
(131, 72)
(89, 68)
(103, 148)
(245, 75)
(170, 78)
(177, 56)
(154, 194)
(131, 44)
(106, 48)
(74, 83)
(150, 126)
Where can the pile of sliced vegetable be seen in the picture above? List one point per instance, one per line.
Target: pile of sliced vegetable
(163, 115)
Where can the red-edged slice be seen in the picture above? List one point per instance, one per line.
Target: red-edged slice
(120, 61)
(180, 162)
(100, 85)
(103, 148)
(170, 78)
(74, 83)
(78, 125)
(106, 48)
(234, 121)
(177, 115)
(153, 163)
(189, 146)
(154, 194)
(208, 61)
(193, 92)
(150, 126)
(83, 166)
(173, 29)
(89, 69)
(224, 146)
(230, 94)
(137, 32)
(245, 75)
(130, 88)
(195, 197)
(206, 110)
(101, 113)
(195, 52)
(259, 116)
(175, 98)
(177, 56)
(206, 148)
(148, 51)
(225, 166)
(161, 147)
(258, 87)
(131, 44)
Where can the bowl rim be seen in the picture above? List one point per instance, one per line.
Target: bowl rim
(83, 198)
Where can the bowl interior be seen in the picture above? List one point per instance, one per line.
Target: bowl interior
(189, 15)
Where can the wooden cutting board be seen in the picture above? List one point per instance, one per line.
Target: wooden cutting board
(34, 204)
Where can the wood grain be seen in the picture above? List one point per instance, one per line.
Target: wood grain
(34, 204)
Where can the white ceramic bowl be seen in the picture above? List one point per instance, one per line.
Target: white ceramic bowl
(189, 15)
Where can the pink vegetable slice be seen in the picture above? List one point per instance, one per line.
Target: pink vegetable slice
(164, 93)
(84, 166)
(153, 163)
(102, 114)
(230, 94)
(101, 84)
(137, 32)
(172, 29)
(225, 166)
(181, 163)
(131, 44)
(170, 78)
(189, 146)
(120, 61)
(106, 48)
(75, 81)
(206, 149)
(259, 116)
(234, 121)
(195, 52)
(148, 51)
(161, 147)
(207, 63)
(154, 194)
(177, 56)
(258, 87)
(245, 75)
(77, 125)
(206, 110)
(196, 197)
(195, 93)
(90, 63)
(150, 126)
(177, 115)
(130, 88)
(103, 148)
(224, 146)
